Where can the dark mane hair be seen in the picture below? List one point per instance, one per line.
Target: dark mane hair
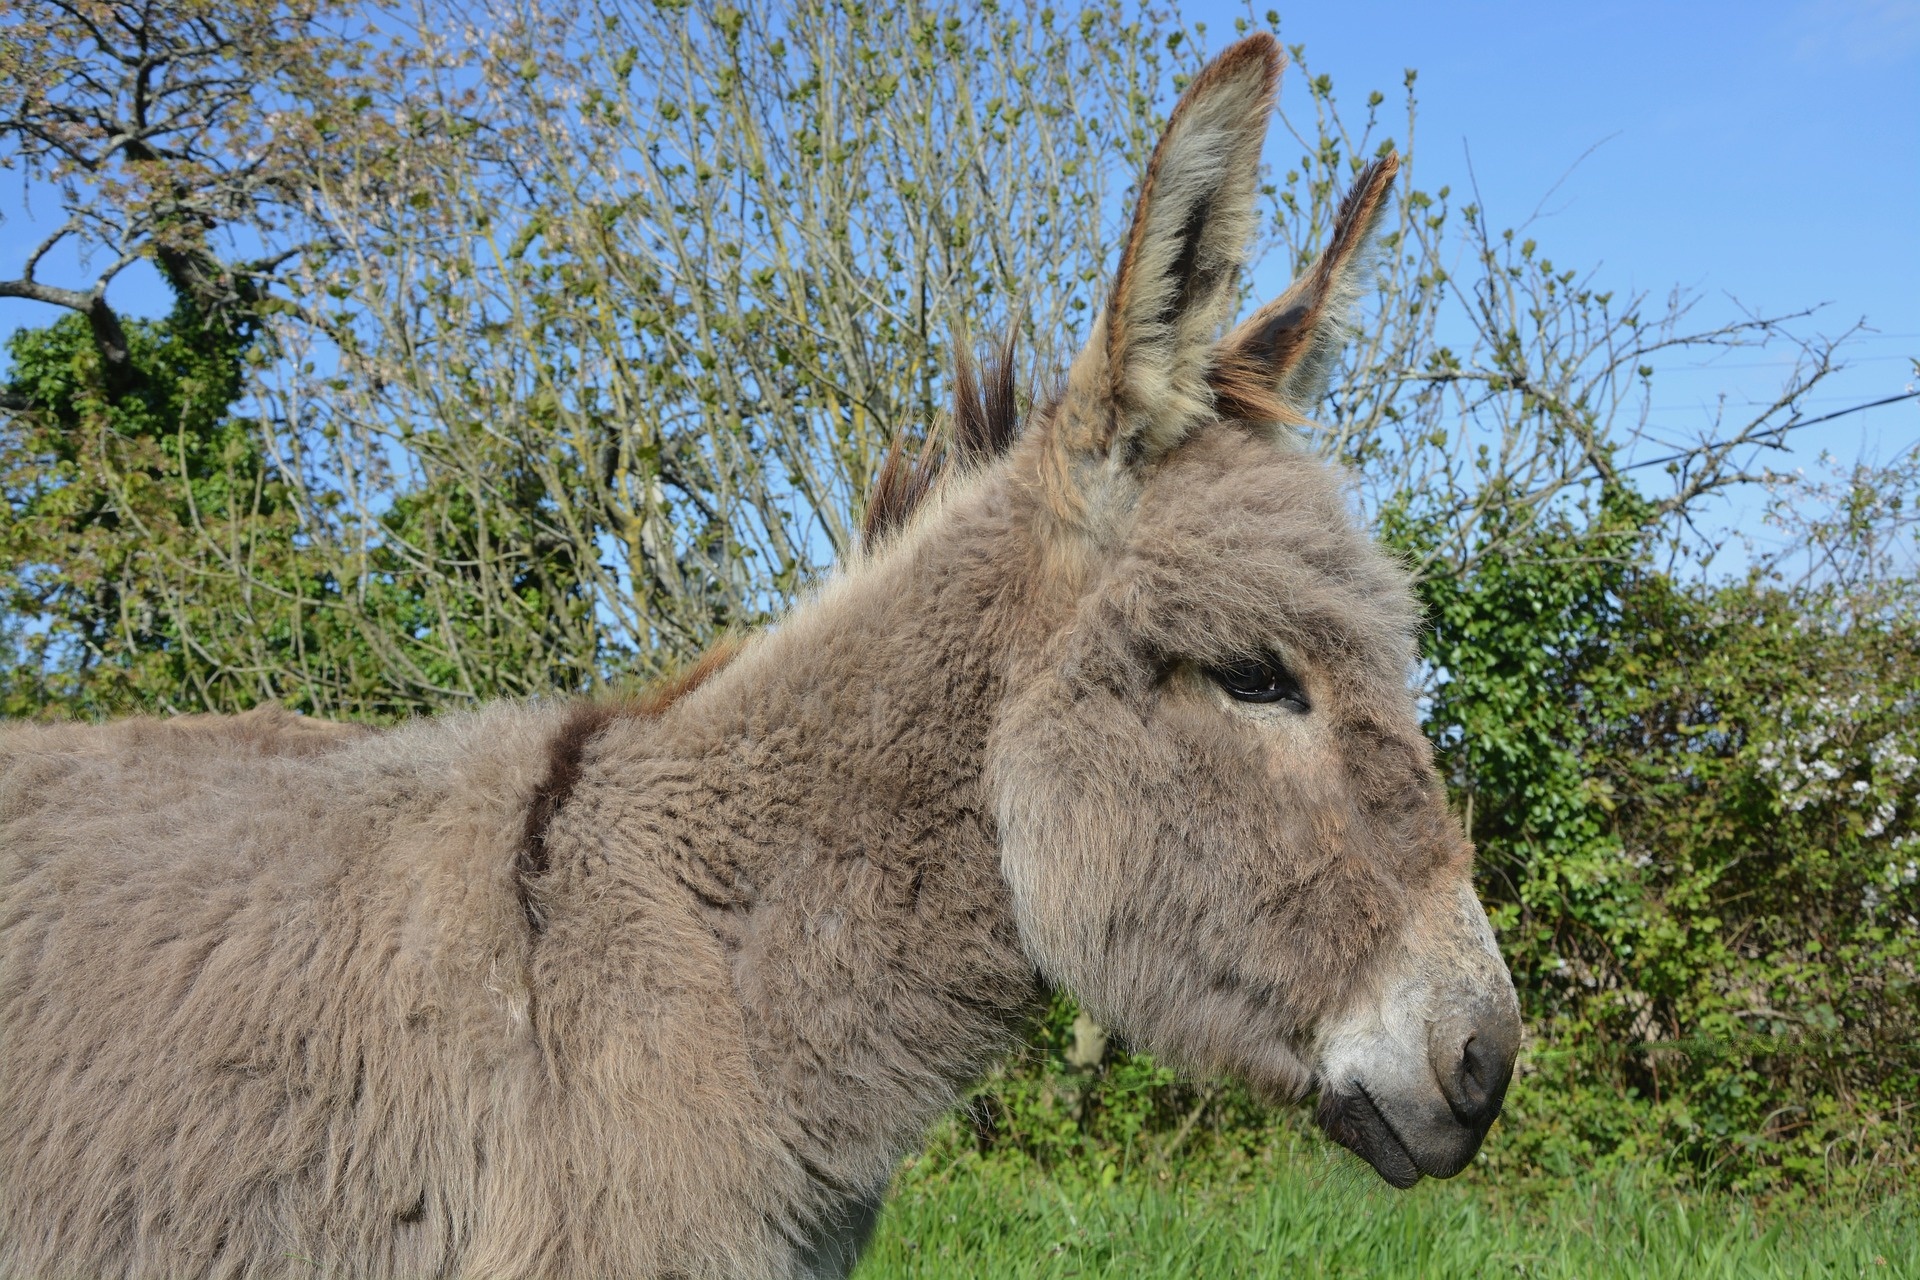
(985, 420)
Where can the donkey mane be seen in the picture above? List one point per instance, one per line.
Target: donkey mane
(983, 424)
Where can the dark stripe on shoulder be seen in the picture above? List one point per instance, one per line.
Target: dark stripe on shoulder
(566, 759)
(566, 752)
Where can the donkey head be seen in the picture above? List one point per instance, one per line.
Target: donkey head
(1219, 819)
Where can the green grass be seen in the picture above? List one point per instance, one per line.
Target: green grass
(1303, 1213)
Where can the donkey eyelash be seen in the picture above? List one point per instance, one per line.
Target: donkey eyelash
(1262, 680)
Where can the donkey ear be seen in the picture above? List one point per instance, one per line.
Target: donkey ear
(1140, 384)
(1275, 367)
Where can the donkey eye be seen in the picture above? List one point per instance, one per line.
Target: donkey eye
(1261, 680)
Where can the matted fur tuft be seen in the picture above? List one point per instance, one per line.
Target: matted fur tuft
(984, 423)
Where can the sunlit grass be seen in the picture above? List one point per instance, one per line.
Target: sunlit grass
(1314, 1215)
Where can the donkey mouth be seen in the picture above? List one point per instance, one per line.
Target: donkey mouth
(1352, 1120)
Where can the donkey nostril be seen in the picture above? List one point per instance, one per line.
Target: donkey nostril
(1476, 1075)
(1474, 1061)
(1473, 1076)
(1471, 1052)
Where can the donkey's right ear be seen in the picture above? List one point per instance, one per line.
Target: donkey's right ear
(1140, 384)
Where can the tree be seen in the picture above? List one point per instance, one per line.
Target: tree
(156, 126)
(581, 329)
(159, 131)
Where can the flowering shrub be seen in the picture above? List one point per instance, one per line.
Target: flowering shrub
(1696, 808)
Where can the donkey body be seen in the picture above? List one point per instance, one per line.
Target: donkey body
(1120, 705)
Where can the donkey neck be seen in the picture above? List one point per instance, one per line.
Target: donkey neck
(868, 707)
(846, 844)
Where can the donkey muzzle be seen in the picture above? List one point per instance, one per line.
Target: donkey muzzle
(1433, 1123)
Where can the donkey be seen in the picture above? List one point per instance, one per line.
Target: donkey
(1115, 701)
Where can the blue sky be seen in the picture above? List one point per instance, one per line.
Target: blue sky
(1765, 152)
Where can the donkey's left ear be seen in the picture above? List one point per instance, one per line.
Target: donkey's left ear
(1274, 368)
(1140, 383)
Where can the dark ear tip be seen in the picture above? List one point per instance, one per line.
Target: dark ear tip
(1261, 46)
(1365, 202)
(1248, 47)
(1262, 42)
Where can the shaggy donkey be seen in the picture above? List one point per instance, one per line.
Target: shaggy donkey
(669, 989)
